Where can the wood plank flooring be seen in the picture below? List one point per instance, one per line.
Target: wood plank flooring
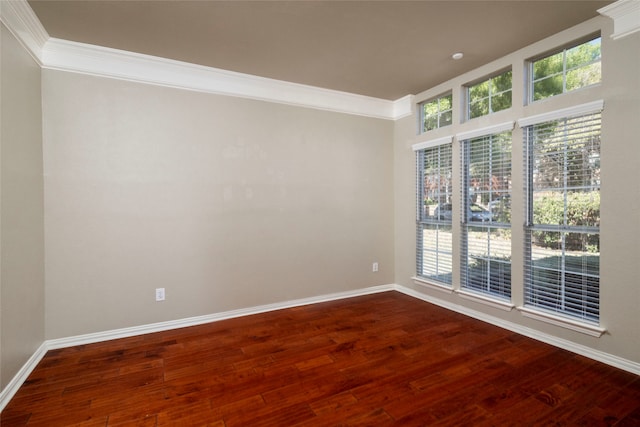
(377, 360)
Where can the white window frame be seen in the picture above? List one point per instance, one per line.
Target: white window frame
(564, 311)
(531, 63)
(490, 96)
(440, 259)
(438, 115)
(488, 285)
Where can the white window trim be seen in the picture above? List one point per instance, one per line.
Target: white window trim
(576, 110)
(574, 325)
(467, 94)
(488, 130)
(432, 285)
(421, 115)
(485, 299)
(432, 143)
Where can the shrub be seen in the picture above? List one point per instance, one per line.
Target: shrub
(583, 209)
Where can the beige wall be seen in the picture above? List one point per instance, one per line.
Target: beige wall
(21, 209)
(620, 227)
(227, 203)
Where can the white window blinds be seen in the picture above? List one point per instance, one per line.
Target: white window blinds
(434, 189)
(563, 216)
(486, 216)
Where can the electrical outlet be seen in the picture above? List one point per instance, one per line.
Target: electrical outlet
(159, 294)
(375, 267)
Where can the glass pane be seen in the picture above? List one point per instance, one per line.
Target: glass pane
(545, 288)
(547, 87)
(446, 118)
(445, 103)
(548, 172)
(501, 101)
(566, 279)
(430, 108)
(481, 90)
(500, 267)
(437, 261)
(436, 113)
(488, 263)
(436, 185)
(501, 83)
(548, 209)
(583, 209)
(583, 76)
(477, 263)
(547, 66)
(430, 123)
(584, 250)
(479, 108)
(500, 208)
(583, 54)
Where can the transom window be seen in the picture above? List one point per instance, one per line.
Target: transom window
(570, 69)
(489, 96)
(436, 113)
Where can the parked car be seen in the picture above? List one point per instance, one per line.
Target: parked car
(443, 211)
(476, 212)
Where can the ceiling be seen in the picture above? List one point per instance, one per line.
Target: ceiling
(383, 49)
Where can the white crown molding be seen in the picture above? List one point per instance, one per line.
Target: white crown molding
(625, 15)
(106, 62)
(69, 56)
(23, 23)
(403, 107)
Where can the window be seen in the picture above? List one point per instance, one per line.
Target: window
(562, 271)
(489, 96)
(486, 201)
(570, 69)
(436, 113)
(435, 238)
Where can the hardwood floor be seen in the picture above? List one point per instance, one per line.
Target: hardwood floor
(376, 360)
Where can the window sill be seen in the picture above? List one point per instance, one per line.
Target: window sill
(574, 325)
(486, 300)
(432, 285)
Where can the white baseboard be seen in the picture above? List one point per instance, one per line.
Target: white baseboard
(600, 356)
(16, 382)
(200, 320)
(10, 390)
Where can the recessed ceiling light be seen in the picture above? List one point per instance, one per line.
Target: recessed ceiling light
(457, 55)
